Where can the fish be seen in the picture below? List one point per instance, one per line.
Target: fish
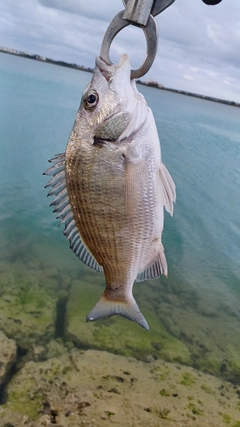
(110, 189)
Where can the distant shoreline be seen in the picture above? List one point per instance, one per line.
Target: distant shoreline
(44, 59)
(195, 95)
(155, 85)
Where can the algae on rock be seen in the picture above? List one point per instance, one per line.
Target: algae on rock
(27, 308)
(117, 334)
(8, 354)
(99, 388)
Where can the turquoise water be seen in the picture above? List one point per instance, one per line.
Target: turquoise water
(200, 143)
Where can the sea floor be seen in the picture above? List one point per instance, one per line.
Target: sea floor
(97, 388)
(60, 370)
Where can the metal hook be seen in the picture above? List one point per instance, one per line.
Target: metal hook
(139, 10)
(137, 13)
(151, 34)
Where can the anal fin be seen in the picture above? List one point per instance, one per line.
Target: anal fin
(156, 269)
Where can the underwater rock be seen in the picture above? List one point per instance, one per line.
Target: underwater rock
(116, 334)
(65, 280)
(205, 308)
(27, 305)
(8, 355)
(37, 353)
(51, 272)
(55, 348)
(208, 327)
(95, 388)
(12, 419)
(211, 336)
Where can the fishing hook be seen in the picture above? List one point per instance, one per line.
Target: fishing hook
(141, 14)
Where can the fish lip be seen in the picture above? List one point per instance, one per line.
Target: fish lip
(105, 69)
(110, 70)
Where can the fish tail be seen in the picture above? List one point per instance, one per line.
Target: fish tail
(128, 308)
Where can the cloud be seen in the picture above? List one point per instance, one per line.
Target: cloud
(88, 9)
(198, 45)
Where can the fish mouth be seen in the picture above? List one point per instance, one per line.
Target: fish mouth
(110, 70)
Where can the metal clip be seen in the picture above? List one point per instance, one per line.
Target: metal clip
(139, 13)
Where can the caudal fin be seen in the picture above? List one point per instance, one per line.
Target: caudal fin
(108, 308)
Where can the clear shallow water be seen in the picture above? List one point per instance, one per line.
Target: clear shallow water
(200, 143)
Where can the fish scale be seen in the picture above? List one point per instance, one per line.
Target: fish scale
(99, 226)
(110, 188)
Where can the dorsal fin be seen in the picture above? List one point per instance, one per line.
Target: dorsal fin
(64, 212)
(156, 269)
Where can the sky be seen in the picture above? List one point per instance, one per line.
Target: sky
(199, 45)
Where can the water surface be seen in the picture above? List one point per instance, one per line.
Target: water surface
(200, 143)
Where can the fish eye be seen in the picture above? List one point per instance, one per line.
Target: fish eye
(90, 100)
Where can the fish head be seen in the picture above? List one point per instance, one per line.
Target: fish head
(111, 103)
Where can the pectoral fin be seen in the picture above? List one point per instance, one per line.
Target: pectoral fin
(168, 189)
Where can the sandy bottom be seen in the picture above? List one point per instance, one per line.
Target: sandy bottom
(96, 388)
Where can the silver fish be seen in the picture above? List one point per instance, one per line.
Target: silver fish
(110, 188)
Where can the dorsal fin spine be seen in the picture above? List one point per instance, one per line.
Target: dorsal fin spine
(66, 218)
(60, 176)
(74, 240)
(72, 234)
(59, 194)
(57, 188)
(64, 212)
(53, 170)
(69, 227)
(62, 204)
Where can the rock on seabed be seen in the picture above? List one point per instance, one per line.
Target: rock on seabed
(97, 388)
(27, 304)
(184, 326)
(116, 334)
(8, 354)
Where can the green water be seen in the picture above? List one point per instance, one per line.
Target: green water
(46, 291)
